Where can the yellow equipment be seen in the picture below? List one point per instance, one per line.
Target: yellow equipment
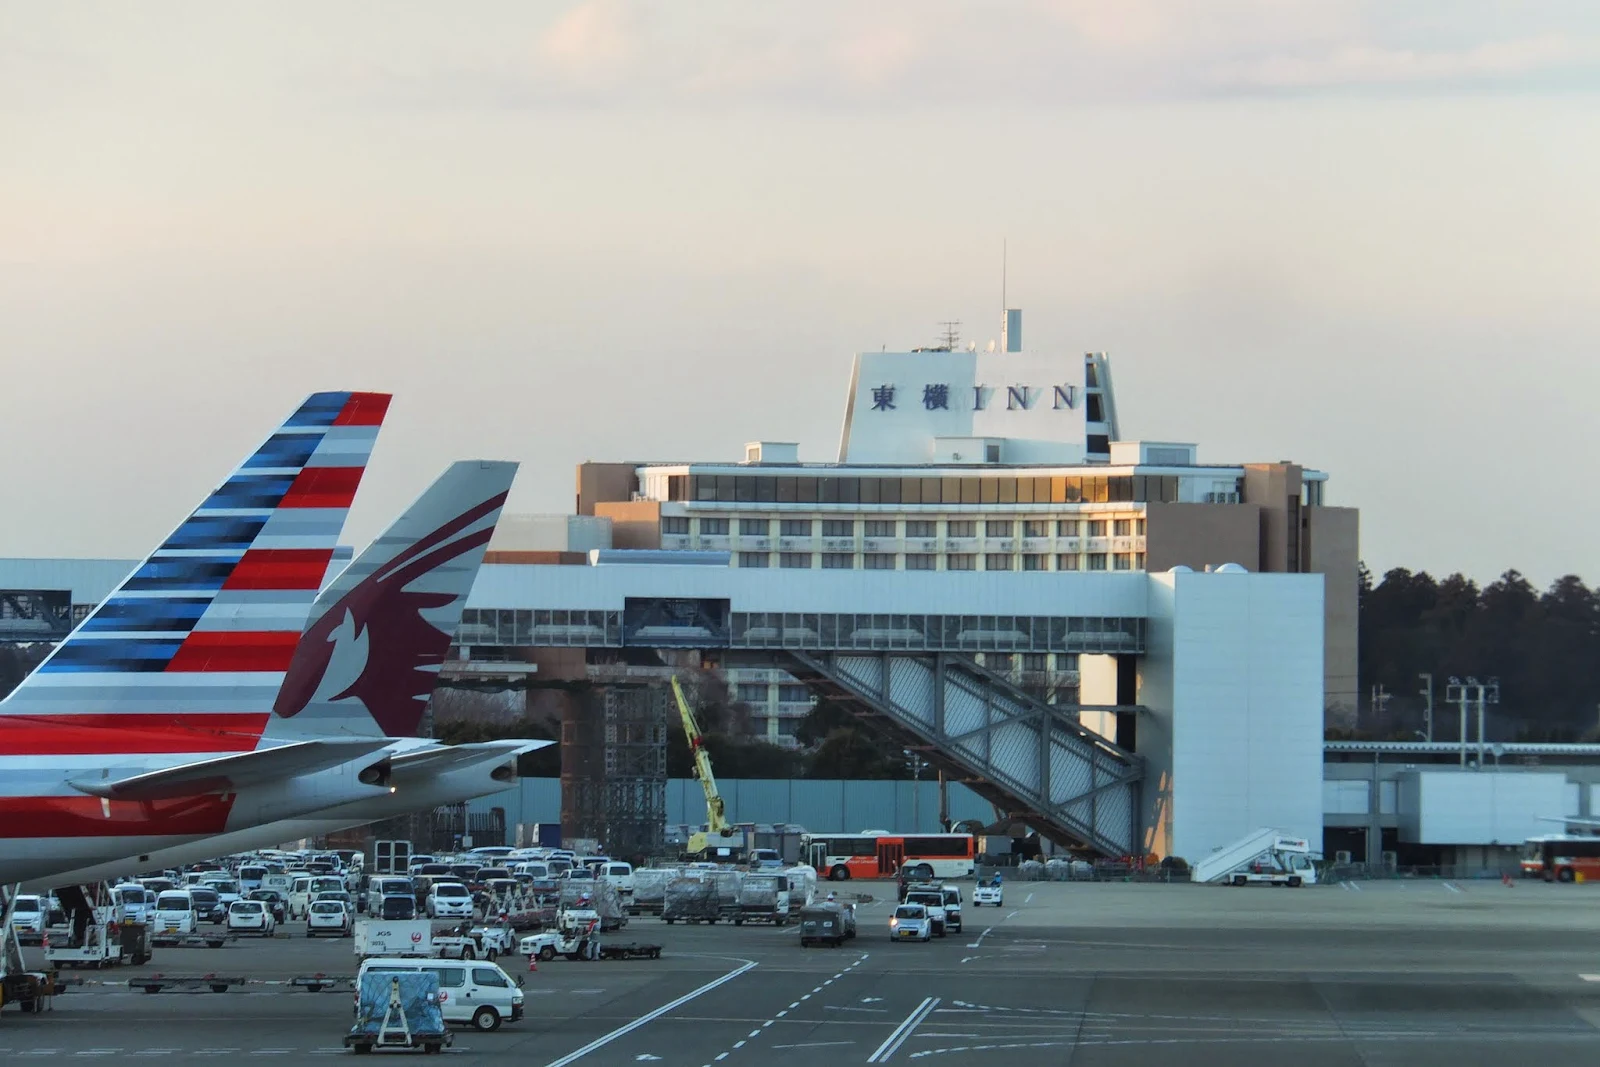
(716, 815)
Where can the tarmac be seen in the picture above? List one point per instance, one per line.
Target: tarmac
(1091, 975)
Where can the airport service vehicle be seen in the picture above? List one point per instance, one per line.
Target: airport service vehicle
(766, 859)
(101, 942)
(250, 876)
(619, 875)
(374, 937)
(328, 918)
(763, 898)
(396, 906)
(251, 916)
(473, 993)
(829, 922)
(338, 748)
(952, 907)
(1561, 857)
(932, 899)
(989, 892)
(881, 855)
(134, 901)
(175, 913)
(910, 922)
(449, 900)
(1264, 857)
(398, 1011)
(718, 830)
(308, 888)
(28, 917)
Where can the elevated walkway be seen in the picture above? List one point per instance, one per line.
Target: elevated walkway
(1033, 761)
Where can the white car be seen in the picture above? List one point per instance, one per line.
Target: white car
(910, 922)
(449, 900)
(989, 893)
(252, 917)
(135, 900)
(28, 916)
(174, 913)
(227, 889)
(931, 898)
(328, 917)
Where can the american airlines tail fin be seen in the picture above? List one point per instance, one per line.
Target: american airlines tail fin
(189, 651)
(379, 632)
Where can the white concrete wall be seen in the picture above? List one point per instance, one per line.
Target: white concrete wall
(1245, 707)
(551, 533)
(1479, 807)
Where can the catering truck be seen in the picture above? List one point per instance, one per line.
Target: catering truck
(1263, 857)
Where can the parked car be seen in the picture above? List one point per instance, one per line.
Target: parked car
(397, 906)
(175, 913)
(135, 901)
(227, 889)
(619, 875)
(208, 904)
(251, 916)
(910, 922)
(449, 900)
(28, 915)
(275, 901)
(329, 917)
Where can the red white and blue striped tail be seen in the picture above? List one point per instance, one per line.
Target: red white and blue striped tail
(189, 652)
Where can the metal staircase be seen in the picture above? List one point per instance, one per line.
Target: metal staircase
(1031, 760)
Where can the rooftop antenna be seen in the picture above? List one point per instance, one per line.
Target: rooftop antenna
(950, 334)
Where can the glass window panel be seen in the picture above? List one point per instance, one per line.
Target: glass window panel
(766, 489)
(1169, 488)
(705, 487)
(989, 491)
(970, 491)
(785, 490)
(849, 490)
(726, 491)
(911, 491)
(930, 491)
(1074, 490)
(1024, 491)
(745, 488)
(828, 490)
(1138, 488)
(869, 490)
(806, 490)
(950, 491)
(1008, 489)
(888, 490)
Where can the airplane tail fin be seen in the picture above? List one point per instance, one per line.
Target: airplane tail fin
(194, 643)
(379, 632)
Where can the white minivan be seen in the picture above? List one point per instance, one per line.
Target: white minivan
(620, 875)
(471, 992)
(174, 913)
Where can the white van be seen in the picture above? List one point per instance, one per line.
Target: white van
(620, 875)
(174, 913)
(299, 895)
(472, 992)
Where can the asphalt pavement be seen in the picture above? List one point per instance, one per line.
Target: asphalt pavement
(1375, 974)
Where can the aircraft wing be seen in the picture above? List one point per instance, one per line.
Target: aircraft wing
(1574, 820)
(431, 761)
(229, 774)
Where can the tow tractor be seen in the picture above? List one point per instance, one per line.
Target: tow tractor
(577, 937)
(991, 891)
(30, 991)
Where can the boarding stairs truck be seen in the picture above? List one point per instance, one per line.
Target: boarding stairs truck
(1263, 857)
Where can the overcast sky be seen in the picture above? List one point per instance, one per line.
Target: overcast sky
(1362, 236)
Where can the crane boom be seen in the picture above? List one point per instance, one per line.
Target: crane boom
(716, 814)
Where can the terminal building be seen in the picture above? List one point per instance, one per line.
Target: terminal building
(1129, 649)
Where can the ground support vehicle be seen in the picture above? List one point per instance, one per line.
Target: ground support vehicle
(691, 900)
(830, 923)
(471, 992)
(398, 1010)
(597, 896)
(649, 889)
(1265, 857)
(185, 983)
(630, 951)
(408, 937)
(763, 898)
(989, 892)
(103, 944)
(930, 897)
(172, 940)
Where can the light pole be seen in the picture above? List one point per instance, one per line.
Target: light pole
(916, 790)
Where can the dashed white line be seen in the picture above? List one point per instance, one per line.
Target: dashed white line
(753, 1033)
(1452, 888)
(738, 1044)
(795, 1005)
(781, 1014)
(766, 1024)
(721, 1056)
(1029, 900)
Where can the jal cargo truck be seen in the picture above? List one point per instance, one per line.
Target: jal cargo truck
(1264, 857)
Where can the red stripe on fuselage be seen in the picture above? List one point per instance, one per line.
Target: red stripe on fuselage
(280, 568)
(323, 487)
(216, 650)
(363, 409)
(27, 817)
(131, 735)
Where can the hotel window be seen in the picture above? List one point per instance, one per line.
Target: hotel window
(921, 528)
(1036, 528)
(753, 692)
(1067, 528)
(754, 527)
(1138, 527)
(838, 561)
(1138, 561)
(880, 527)
(961, 561)
(1067, 562)
(997, 561)
(1122, 528)
(1034, 561)
(794, 560)
(795, 528)
(753, 559)
(961, 528)
(1097, 528)
(1095, 561)
(838, 527)
(1035, 661)
(1122, 562)
(714, 527)
(675, 524)
(921, 561)
(998, 528)
(878, 561)
(794, 694)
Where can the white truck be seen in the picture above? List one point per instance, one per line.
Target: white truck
(418, 938)
(1264, 857)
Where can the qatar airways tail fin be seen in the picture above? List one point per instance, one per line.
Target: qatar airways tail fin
(379, 632)
(188, 653)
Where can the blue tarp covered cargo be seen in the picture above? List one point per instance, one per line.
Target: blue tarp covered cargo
(419, 997)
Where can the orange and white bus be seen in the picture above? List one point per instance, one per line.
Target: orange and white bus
(1561, 857)
(881, 855)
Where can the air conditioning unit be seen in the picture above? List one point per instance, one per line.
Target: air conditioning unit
(1341, 858)
(1391, 860)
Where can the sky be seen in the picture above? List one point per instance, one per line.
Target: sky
(1361, 236)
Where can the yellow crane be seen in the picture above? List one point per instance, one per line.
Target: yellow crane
(716, 814)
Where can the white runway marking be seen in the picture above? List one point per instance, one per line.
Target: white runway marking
(601, 1042)
(904, 1030)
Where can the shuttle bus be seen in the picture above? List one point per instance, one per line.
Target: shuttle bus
(880, 855)
(1560, 857)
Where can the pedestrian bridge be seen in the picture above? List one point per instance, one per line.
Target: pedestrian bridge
(894, 645)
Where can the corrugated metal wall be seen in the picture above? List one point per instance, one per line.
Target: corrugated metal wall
(818, 805)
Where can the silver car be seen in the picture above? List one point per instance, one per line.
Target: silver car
(910, 922)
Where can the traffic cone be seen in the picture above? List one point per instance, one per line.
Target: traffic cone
(1505, 880)
(533, 963)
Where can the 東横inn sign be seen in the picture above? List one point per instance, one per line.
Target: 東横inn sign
(937, 396)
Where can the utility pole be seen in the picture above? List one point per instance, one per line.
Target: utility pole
(1427, 707)
(1472, 695)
